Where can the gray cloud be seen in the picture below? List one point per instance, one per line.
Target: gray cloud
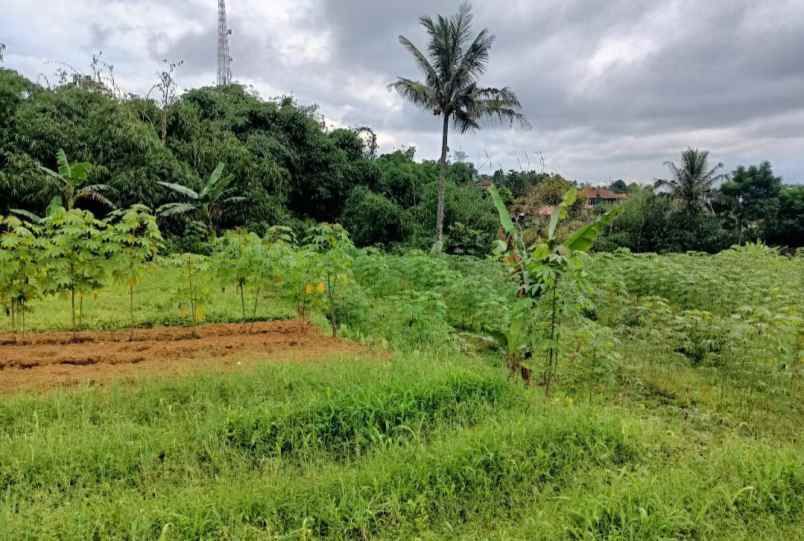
(612, 88)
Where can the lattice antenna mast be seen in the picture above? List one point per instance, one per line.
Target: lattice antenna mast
(224, 58)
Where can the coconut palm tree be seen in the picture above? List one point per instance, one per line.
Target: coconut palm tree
(454, 62)
(210, 202)
(692, 182)
(69, 183)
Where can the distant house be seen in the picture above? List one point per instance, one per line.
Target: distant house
(597, 197)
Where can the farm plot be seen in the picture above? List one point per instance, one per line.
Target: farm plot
(45, 360)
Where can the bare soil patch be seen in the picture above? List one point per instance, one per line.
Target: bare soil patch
(47, 360)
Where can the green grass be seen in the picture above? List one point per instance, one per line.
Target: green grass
(677, 414)
(428, 446)
(155, 303)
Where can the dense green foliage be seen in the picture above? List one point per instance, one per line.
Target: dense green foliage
(280, 165)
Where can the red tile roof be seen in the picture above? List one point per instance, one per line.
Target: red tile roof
(591, 192)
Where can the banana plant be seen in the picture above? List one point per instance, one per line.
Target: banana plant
(70, 183)
(538, 270)
(209, 203)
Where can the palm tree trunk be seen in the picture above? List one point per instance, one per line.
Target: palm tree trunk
(442, 185)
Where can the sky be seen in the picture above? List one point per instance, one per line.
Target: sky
(611, 88)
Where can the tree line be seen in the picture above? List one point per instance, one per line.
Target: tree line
(212, 159)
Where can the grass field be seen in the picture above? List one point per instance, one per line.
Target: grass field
(672, 419)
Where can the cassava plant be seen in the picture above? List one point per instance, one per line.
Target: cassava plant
(193, 291)
(333, 264)
(21, 270)
(539, 271)
(240, 259)
(76, 256)
(135, 239)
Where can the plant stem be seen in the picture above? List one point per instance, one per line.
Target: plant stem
(552, 361)
(131, 310)
(242, 288)
(72, 311)
(254, 312)
(331, 296)
(13, 316)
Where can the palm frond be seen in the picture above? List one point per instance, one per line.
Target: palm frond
(415, 92)
(424, 64)
(691, 183)
(97, 188)
(476, 57)
(496, 104)
(178, 188)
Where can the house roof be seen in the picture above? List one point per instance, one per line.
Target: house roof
(591, 192)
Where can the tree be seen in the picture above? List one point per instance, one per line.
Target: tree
(71, 183)
(693, 181)
(619, 186)
(210, 203)
(372, 218)
(450, 89)
(2, 51)
(788, 227)
(753, 195)
(167, 88)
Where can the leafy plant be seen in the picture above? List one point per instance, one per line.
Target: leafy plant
(76, 255)
(21, 269)
(136, 240)
(70, 183)
(241, 258)
(333, 264)
(539, 270)
(210, 203)
(193, 290)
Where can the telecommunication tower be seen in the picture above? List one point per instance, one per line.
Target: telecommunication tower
(224, 58)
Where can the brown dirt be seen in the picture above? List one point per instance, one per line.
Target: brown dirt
(47, 360)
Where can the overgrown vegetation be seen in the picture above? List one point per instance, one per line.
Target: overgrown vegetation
(665, 324)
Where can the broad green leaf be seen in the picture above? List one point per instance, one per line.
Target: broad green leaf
(554, 218)
(569, 198)
(585, 237)
(178, 188)
(502, 211)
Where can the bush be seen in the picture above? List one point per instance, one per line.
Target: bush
(372, 218)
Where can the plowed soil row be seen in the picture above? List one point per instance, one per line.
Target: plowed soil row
(47, 360)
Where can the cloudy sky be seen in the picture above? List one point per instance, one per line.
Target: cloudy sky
(612, 88)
